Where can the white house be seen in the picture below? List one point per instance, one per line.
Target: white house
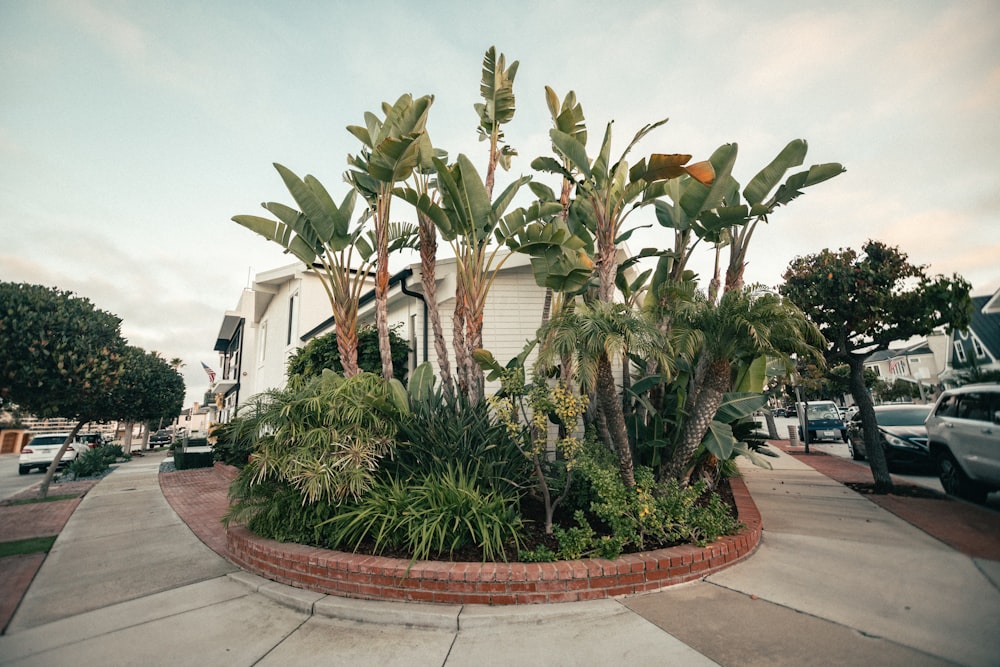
(256, 338)
(287, 307)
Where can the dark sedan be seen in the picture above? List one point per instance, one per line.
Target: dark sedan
(902, 434)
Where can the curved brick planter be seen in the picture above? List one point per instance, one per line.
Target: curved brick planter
(379, 578)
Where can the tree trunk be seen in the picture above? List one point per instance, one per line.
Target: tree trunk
(611, 408)
(382, 284)
(716, 383)
(43, 490)
(346, 332)
(772, 428)
(875, 454)
(428, 254)
(458, 338)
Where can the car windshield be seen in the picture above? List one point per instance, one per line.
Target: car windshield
(914, 416)
(823, 412)
(48, 440)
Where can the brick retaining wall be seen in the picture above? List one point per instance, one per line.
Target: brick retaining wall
(380, 578)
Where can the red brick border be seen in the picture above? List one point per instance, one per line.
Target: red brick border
(379, 578)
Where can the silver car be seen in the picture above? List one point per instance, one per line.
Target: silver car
(963, 434)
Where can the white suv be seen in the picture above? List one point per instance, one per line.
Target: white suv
(40, 451)
(963, 435)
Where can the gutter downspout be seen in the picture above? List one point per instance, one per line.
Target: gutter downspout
(417, 295)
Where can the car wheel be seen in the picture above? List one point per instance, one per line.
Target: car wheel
(23, 470)
(956, 482)
(855, 454)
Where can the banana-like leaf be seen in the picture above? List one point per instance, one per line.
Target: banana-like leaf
(279, 233)
(305, 197)
(719, 440)
(761, 185)
(568, 117)
(501, 203)
(741, 449)
(497, 89)
(696, 197)
(466, 196)
(572, 149)
(737, 405)
(751, 376)
(817, 173)
(420, 385)
(542, 191)
(551, 166)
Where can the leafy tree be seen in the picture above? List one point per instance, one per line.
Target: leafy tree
(321, 233)
(149, 389)
(864, 301)
(323, 352)
(59, 356)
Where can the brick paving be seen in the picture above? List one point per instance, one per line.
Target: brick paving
(200, 498)
(27, 521)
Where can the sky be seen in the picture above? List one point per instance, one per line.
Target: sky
(132, 131)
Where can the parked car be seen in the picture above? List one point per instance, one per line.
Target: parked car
(902, 434)
(161, 438)
(42, 449)
(963, 433)
(779, 412)
(823, 421)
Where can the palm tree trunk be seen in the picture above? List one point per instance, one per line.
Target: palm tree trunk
(716, 383)
(382, 282)
(458, 339)
(428, 254)
(611, 408)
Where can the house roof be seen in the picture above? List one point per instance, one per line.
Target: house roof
(367, 297)
(986, 325)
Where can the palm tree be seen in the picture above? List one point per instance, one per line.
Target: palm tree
(746, 324)
(391, 149)
(594, 334)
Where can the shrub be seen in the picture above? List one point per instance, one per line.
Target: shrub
(439, 514)
(647, 516)
(234, 441)
(324, 437)
(438, 432)
(322, 353)
(93, 462)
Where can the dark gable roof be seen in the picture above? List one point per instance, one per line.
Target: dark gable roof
(986, 327)
(366, 298)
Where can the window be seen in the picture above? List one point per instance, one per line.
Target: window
(978, 347)
(293, 316)
(959, 351)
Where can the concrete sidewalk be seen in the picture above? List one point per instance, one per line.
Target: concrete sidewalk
(836, 580)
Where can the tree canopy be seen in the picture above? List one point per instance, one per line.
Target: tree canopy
(59, 354)
(863, 302)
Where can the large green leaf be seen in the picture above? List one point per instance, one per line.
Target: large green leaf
(696, 197)
(719, 440)
(817, 173)
(572, 149)
(497, 89)
(737, 405)
(761, 185)
(751, 376)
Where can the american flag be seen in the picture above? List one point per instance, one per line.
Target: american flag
(209, 371)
